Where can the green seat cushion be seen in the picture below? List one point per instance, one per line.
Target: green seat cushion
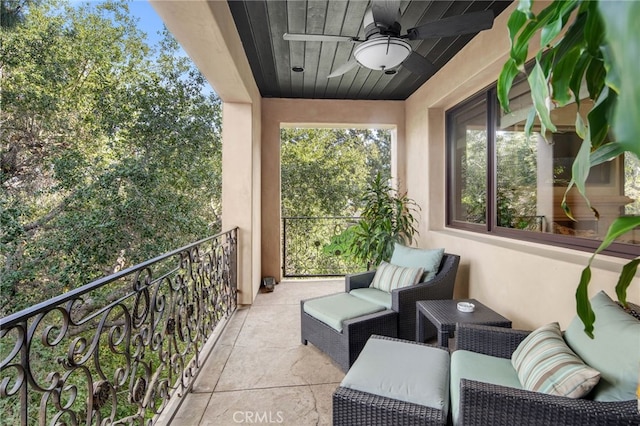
(402, 371)
(336, 308)
(428, 259)
(480, 368)
(614, 351)
(373, 295)
(389, 277)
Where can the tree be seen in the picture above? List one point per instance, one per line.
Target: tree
(110, 150)
(325, 171)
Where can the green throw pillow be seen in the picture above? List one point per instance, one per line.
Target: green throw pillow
(389, 277)
(428, 259)
(546, 364)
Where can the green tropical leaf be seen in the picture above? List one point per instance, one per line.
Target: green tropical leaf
(561, 81)
(515, 23)
(580, 172)
(583, 306)
(594, 28)
(600, 116)
(524, 8)
(540, 96)
(606, 152)
(573, 39)
(520, 45)
(621, 21)
(618, 227)
(578, 75)
(551, 31)
(628, 272)
(505, 81)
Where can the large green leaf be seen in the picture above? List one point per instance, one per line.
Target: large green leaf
(621, 21)
(520, 45)
(540, 95)
(583, 306)
(606, 152)
(562, 77)
(600, 116)
(505, 81)
(551, 31)
(594, 29)
(618, 227)
(575, 82)
(580, 171)
(628, 272)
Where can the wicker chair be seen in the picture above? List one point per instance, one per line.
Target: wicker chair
(399, 321)
(404, 299)
(485, 403)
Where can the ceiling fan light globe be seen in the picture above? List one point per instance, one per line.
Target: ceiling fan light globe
(382, 53)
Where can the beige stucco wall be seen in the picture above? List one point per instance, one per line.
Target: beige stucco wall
(277, 113)
(207, 33)
(532, 284)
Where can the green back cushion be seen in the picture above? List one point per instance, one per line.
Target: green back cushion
(410, 257)
(614, 350)
(546, 364)
(402, 371)
(388, 277)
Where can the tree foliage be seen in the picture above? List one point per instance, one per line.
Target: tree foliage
(110, 149)
(388, 217)
(325, 171)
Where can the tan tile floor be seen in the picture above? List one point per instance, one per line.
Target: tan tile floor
(260, 373)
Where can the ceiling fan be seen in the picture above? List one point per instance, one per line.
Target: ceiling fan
(385, 48)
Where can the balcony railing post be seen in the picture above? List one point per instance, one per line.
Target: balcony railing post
(284, 246)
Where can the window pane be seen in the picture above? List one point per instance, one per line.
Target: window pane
(468, 144)
(532, 175)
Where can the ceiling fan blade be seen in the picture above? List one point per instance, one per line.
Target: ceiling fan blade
(419, 65)
(344, 68)
(316, 37)
(453, 26)
(386, 12)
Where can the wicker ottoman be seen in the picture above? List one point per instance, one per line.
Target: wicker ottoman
(394, 382)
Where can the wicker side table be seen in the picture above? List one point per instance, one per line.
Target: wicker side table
(444, 315)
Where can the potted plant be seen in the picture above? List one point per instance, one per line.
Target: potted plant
(387, 218)
(600, 46)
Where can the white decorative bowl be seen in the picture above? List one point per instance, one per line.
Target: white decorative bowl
(466, 307)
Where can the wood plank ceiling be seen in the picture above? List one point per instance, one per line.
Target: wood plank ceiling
(262, 23)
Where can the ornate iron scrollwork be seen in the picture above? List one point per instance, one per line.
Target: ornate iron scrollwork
(310, 246)
(117, 349)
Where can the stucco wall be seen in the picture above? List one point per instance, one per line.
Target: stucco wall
(207, 33)
(277, 113)
(532, 284)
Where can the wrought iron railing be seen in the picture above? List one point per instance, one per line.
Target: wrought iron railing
(116, 350)
(314, 247)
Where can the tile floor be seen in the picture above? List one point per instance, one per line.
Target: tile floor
(260, 373)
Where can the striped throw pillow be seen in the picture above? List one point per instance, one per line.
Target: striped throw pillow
(388, 277)
(546, 364)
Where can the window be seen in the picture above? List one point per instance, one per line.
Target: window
(502, 182)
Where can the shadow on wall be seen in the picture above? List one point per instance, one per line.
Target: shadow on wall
(461, 289)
